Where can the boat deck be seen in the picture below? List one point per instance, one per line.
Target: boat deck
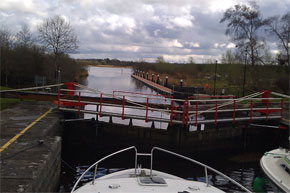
(126, 181)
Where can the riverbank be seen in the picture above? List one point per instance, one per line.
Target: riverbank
(232, 78)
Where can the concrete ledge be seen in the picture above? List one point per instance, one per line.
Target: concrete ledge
(32, 163)
(36, 169)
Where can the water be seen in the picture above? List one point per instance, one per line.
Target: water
(75, 161)
(117, 81)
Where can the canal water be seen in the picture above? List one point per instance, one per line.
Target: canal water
(116, 80)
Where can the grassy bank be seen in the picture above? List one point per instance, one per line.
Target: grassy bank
(6, 102)
(229, 77)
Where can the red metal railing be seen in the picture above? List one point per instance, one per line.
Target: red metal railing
(184, 109)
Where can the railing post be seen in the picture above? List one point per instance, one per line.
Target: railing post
(79, 110)
(58, 100)
(96, 167)
(281, 112)
(151, 162)
(101, 97)
(146, 120)
(123, 110)
(251, 112)
(172, 115)
(196, 112)
(206, 176)
(215, 117)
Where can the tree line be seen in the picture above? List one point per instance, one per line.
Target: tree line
(26, 56)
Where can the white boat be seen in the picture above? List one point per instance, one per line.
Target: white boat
(147, 180)
(276, 166)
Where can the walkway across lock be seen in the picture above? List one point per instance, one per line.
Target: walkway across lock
(195, 110)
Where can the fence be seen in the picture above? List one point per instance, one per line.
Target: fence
(186, 112)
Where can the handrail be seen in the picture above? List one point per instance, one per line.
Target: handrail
(104, 158)
(198, 163)
(206, 167)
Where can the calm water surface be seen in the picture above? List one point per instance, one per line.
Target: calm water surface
(109, 80)
(118, 81)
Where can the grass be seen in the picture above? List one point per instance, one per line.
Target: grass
(229, 77)
(7, 102)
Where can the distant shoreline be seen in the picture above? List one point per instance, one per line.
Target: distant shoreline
(110, 66)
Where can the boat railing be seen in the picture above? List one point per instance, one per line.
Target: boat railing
(206, 167)
(104, 158)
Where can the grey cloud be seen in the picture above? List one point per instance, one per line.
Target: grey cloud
(126, 29)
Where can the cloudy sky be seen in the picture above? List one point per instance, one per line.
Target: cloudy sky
(138, 29)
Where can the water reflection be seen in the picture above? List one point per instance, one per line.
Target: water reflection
(118, 81)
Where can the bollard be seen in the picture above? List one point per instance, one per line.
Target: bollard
(181, 82)
(158, 81)
(166, 81)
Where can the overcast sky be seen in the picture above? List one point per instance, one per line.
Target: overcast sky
(138, 29)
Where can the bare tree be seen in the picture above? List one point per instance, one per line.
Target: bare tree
(57, 36)
(280, 27)
(25, 38)
(244, 23)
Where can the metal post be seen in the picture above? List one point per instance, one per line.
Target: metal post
(151, 162)
(214, 77)
(166, 81)
(245, 68)
(206, 177)
(95, 173)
